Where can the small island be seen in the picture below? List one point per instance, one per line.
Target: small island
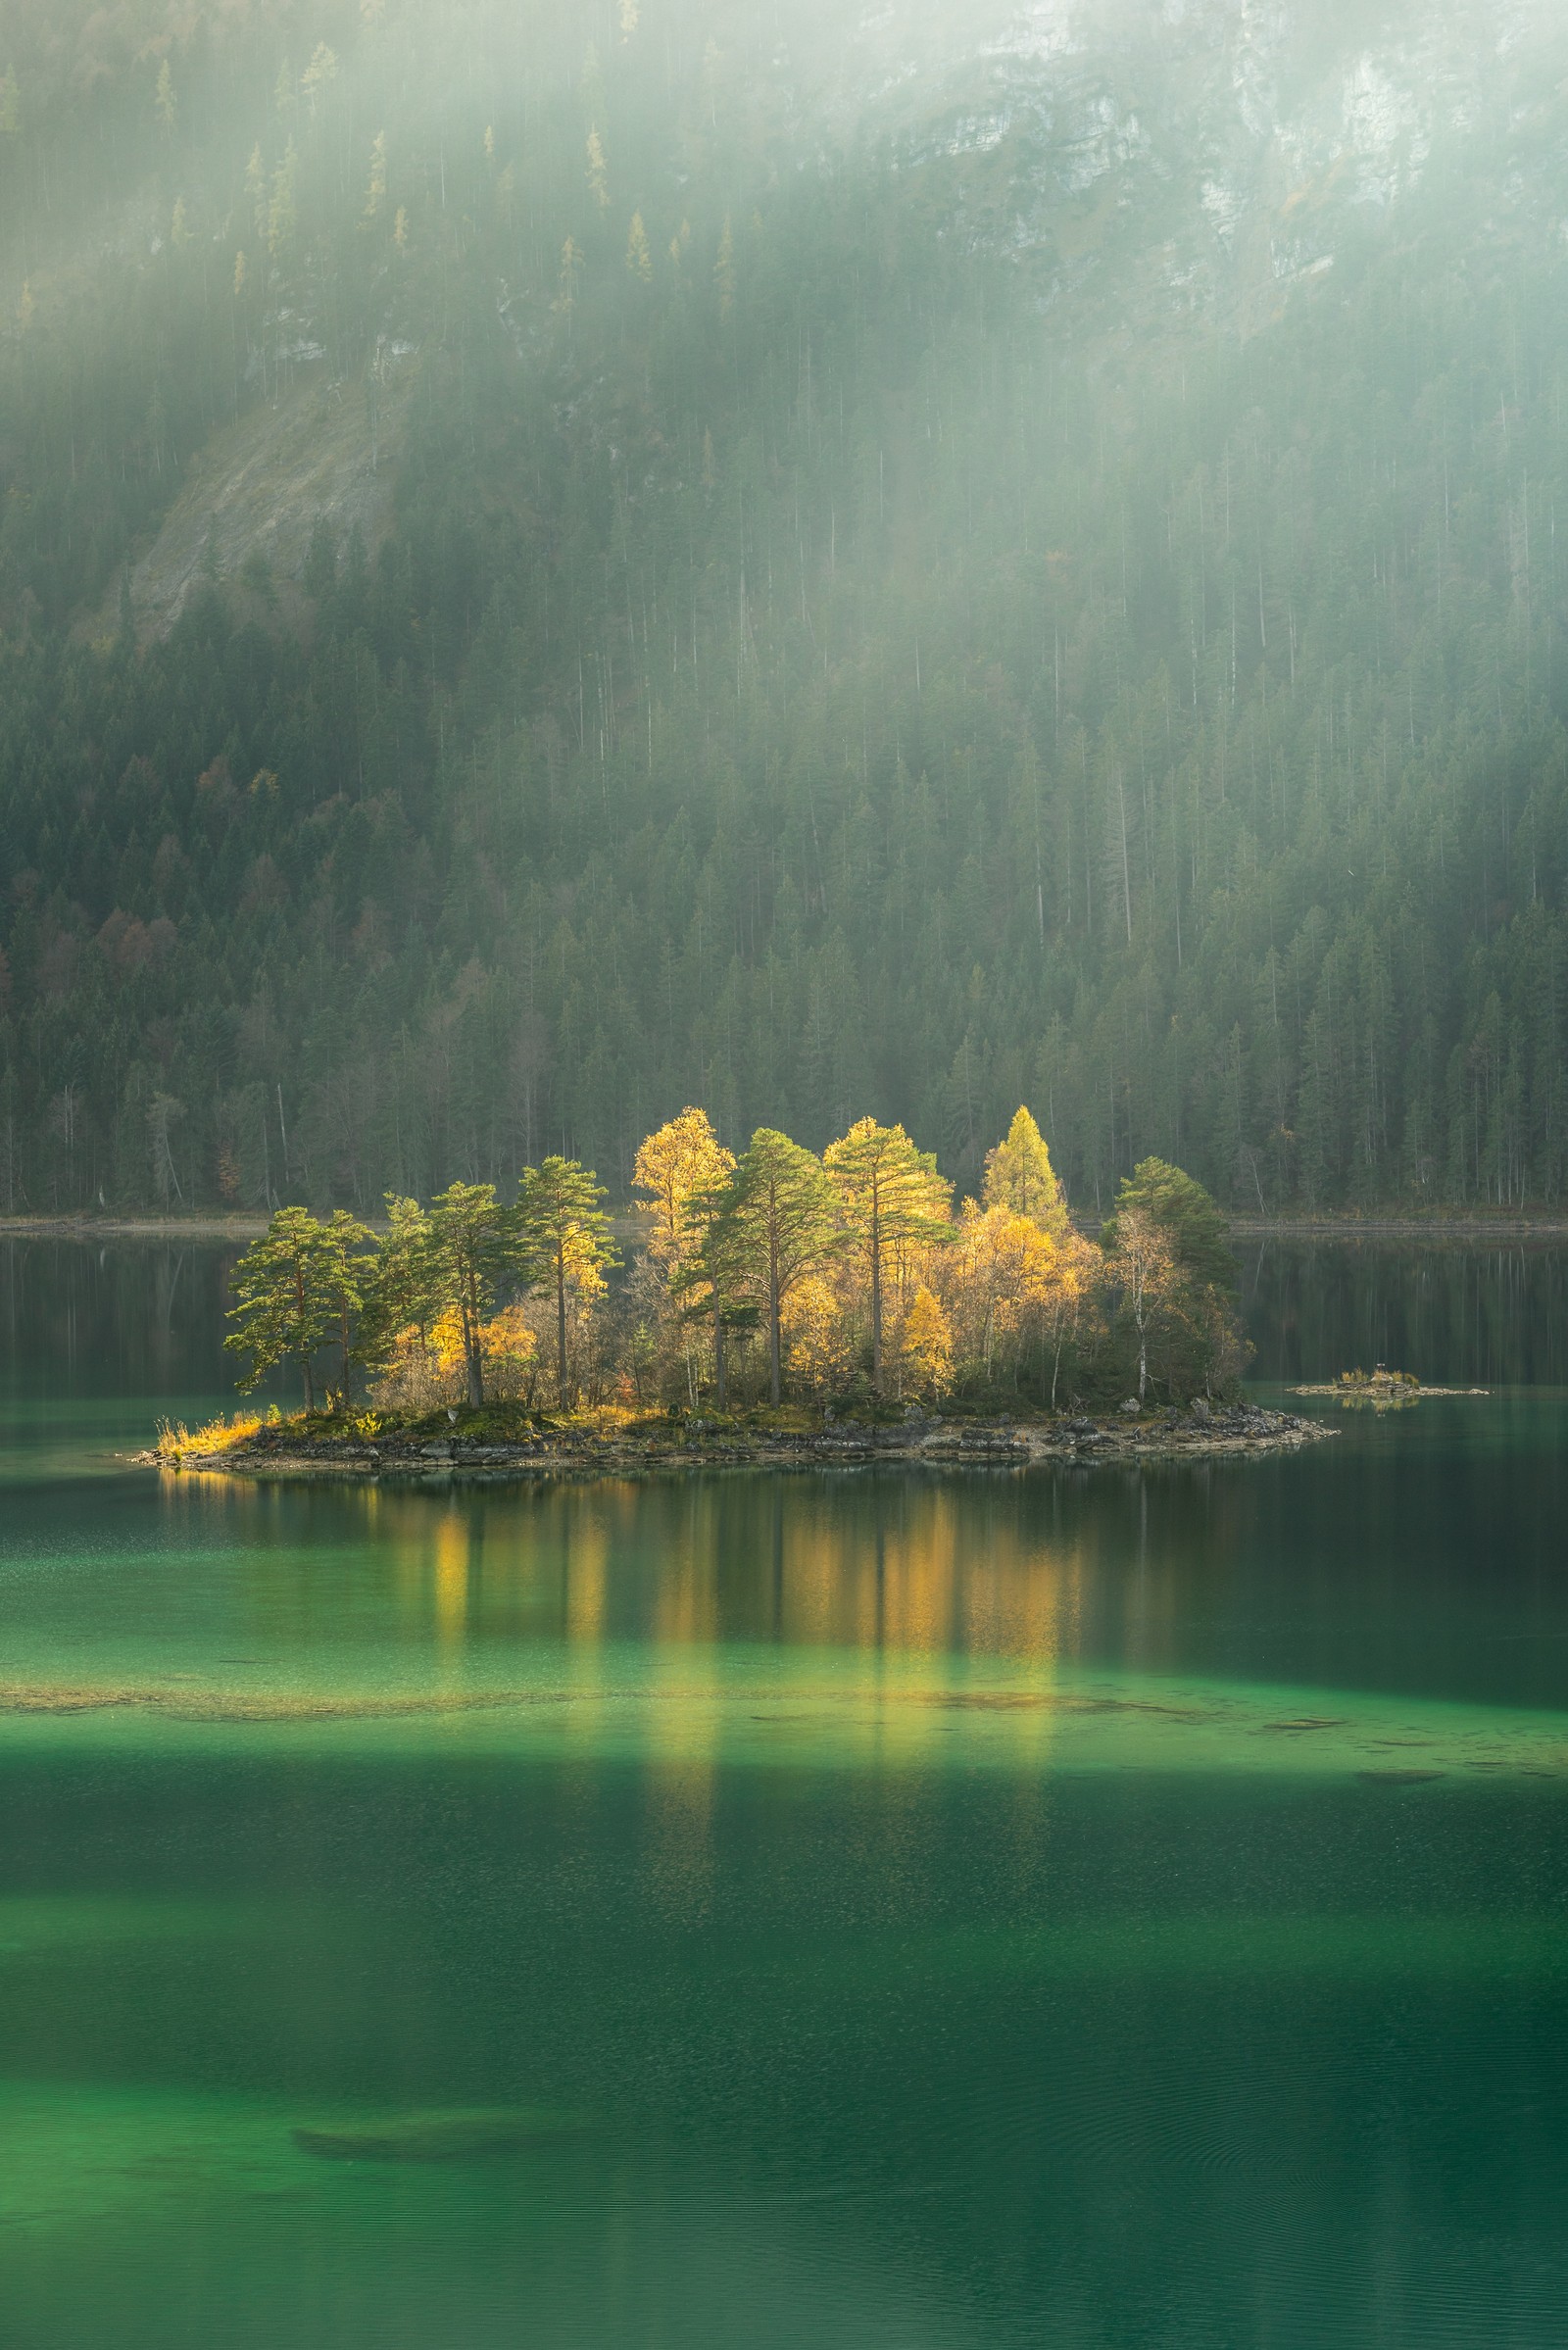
(1381, 1390)
(776, 1309)
(503, 1443)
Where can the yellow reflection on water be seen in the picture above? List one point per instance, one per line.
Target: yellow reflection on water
(683, 1723)
(585, 1565)
(453, 1568)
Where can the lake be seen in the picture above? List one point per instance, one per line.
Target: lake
(878, 1908)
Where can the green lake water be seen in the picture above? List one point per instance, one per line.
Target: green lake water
(872, 1909)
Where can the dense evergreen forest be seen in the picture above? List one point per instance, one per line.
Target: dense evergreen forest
(549, 571)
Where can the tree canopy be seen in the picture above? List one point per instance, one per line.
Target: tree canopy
(846, 1279)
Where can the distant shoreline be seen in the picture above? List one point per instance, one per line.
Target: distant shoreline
(1371, 1227)
(131, 1228)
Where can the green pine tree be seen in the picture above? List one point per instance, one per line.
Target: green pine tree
(565, 1240)
(777, 1222)
(287, 1288)
(473, 1245)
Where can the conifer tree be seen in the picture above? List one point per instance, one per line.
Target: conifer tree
(255, 189)
(284, 1287)
(376, 192)
(724, 270)
(350, 1271)
(566, 1241)
(891, 1195)
(407, 1292)
(474, 1244)
(283, 210)
(1019, 1175)
(319, 75)
(777, 1221)
(597, 173)
(1186, 1214)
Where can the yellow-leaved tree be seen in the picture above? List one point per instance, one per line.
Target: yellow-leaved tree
(925, 1348)
(1019, 1175)
(683, 1169)
(999, 1286)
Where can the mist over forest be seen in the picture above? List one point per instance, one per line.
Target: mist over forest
(561, 563)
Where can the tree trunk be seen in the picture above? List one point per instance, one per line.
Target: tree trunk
(560, 1327)
(721, 1367)
(476, 1368)
(310, 1384)
(876, 1299)
(775, 1385)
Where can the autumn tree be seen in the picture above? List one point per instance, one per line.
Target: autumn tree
(1077, 1278)
(998, 1283)
(684, 1168)
(776, 1222)
(891, 1198)
(566, 1242)
(473, 1244)
(925, 1345)
(1019, 1175)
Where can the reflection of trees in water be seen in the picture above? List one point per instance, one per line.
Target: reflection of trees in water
(1029, 1571)
(124, 1317)
(1453, 1315)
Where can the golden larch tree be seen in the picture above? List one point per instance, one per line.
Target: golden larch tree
(1019, 1175)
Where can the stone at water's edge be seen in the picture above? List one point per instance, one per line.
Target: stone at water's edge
(1133, 1437)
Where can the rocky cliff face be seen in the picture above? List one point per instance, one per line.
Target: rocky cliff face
(1222, 150)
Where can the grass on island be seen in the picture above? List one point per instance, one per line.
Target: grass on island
(507, 1421)
(177, 1443)
(499, 1422)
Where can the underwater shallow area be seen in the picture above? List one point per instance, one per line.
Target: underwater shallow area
(1096, 1908)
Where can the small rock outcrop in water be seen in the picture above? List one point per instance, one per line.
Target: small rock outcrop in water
(1381, 1390)
(462, 2137)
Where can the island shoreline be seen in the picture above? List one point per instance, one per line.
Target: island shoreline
(1240, 1432)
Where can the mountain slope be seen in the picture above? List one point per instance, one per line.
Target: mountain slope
(870, 571)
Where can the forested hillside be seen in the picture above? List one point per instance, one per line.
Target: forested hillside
(557, 565)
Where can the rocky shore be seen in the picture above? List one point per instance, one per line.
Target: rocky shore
(1129, 1437)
